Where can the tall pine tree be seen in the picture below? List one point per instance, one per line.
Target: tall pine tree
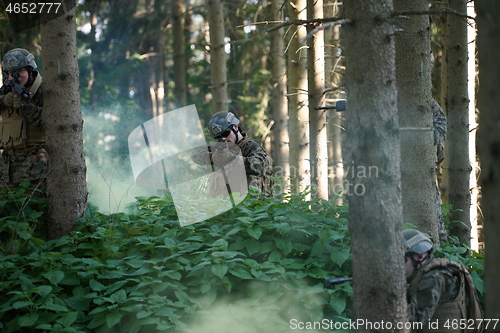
(63, 123)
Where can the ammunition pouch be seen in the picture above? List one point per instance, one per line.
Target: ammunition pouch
(12, 129)
(15, 130)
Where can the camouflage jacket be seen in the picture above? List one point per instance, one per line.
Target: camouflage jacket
(34, 116)
(428, 291)
(258, 165)
(255, 157)
(440, 127)
(439, 123)
(28, 161)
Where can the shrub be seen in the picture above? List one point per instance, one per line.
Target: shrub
(256, 266)
(22, 218)
(252, 269)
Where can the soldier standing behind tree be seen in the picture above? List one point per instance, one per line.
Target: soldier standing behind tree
(440, 127)
(22, 137)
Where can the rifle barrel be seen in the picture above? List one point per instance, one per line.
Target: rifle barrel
(331, 282)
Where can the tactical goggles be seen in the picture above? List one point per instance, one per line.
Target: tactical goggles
(224, 134)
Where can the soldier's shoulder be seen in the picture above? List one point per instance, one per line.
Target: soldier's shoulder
(439, 278)
(438, 273)
(247, 142)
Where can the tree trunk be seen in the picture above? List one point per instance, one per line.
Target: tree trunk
(333, 80)
(445, 178)
(372, 136)
(160, 92)
(152, 65)
(217, 56)
(160, 60)
(458, 123)
(316, 92)
(188, 27)
(476, 228)
(418, 158)
(62, 119)
(279, 103)
(178, 13)
(488, 142)
(298, 114)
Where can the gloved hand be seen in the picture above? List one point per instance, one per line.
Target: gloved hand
(440, 153)
(222, 157)
(201, 155)
(11, 100)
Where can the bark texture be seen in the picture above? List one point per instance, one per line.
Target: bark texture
(488, 49)
(297, 103)
(179, 54)
(457, 106)
(418, 157)
(334, 81)
(218, 67)
(372, 135)
(316, 92)
(279, 102)
(63, 123)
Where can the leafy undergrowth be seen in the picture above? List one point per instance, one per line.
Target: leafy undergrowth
(259, 267)
(256, 268)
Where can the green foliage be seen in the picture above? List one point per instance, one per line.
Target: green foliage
(252, 269)
(22, 218)
(257, 266)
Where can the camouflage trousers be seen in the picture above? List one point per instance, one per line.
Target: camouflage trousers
(24, 165)
(443, 237)
(262, 184)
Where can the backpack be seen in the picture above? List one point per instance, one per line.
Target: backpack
(475, 313)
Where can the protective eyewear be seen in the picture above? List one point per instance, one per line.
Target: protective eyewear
(224, 134)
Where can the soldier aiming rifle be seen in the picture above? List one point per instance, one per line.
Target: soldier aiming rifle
(22, 138)
(224, 127)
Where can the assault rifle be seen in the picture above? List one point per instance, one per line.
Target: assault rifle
(340, 106)
(229, 147)
(16, 86)
(219, 165)
(218, 146)
(332, 282)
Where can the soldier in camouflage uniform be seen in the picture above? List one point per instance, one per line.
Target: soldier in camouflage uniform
(22, 139)
(440, 127)
(440, 291)
(224, 127)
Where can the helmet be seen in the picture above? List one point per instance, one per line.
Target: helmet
(416, 241)
(220, 122)
(18, 58)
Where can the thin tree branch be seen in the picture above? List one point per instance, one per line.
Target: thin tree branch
(302, 22)
(430, 12)
(339, 20)
(268, 129)
(325, 26)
